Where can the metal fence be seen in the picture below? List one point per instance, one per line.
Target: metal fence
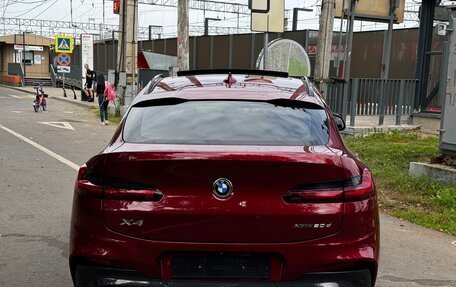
(373, 97)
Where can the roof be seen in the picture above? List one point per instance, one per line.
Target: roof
(30, 39)
(229, 86)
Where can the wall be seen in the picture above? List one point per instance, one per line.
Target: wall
(366, 60)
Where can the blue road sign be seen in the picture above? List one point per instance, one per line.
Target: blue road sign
(63, 59)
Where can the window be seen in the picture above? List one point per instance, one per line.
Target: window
(28, 57)
(227, 123)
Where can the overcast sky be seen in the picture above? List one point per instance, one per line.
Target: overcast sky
(92, 11)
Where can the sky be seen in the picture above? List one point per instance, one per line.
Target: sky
(92, 11)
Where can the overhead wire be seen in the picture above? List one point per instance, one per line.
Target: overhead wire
(31, 9)
(5, 7)
(53, 3)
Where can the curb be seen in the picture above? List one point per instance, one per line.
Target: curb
(17, 89)
(57, 98)
(73, 102)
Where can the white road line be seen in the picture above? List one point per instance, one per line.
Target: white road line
(42, 148)
(61, 125)
(22, 97)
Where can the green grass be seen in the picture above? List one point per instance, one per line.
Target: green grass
(112, 119)
(420, 200)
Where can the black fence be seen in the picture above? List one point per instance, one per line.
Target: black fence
(373, 97)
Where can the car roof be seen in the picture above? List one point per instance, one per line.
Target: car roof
(229, 86)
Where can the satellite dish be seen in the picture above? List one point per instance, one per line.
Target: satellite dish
(285, 55)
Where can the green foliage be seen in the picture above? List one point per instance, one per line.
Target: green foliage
(420, 200)
(112, 119)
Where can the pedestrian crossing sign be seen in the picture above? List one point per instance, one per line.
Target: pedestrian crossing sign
(64, 44)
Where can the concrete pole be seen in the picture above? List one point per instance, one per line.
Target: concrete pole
(183, 57)
(324, 44)
(348, 55)
(120, 66)
(127, 48)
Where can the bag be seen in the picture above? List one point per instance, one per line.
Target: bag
(109, 92)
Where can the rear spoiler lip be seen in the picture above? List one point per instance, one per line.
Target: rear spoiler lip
(279, 102)
(267, 73)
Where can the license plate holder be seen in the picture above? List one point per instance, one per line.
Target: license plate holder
(221, 266)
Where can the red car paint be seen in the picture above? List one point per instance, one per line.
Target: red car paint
(274, 209)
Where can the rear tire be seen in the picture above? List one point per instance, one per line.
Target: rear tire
(43, 105)
(35, 108)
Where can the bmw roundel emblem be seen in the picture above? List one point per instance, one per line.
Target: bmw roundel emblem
(222, 188)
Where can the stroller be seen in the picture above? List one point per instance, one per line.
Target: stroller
(40, 99)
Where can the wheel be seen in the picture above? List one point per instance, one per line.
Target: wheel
(35, 107)
(43, 105)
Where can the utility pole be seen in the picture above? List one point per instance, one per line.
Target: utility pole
(183, 57)
(71, 11)
(127, 50)
(23, 57)
(324, 44)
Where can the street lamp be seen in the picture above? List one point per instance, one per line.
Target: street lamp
(206, 24)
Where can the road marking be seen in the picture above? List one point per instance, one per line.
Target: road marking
(42, 148)
(22, 97)
(17, 112)
(1, 97)
(62, 125)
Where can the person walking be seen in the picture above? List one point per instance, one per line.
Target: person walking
(102, 100)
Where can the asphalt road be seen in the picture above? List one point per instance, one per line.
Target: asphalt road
(36, 187)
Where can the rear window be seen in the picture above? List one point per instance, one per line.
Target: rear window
(227, 123)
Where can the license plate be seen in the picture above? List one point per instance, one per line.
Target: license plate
(221, 266)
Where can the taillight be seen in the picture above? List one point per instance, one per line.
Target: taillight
(355, 189)
(116, 189)
(364, 190)
(84, 186)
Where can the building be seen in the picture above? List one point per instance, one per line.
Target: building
(35, 57)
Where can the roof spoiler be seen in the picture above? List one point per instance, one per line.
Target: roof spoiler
(309, 86)
(233, 71)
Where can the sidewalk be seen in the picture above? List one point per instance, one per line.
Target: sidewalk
(365, 125)
(57, 94)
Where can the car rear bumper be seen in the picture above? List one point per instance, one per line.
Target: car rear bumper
(90, 276)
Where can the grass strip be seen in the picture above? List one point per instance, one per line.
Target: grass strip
(423, 201)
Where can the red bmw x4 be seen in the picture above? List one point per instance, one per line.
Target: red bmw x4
(226, 179)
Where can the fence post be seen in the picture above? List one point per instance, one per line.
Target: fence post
(211, 53)
(400, 103)
(353, 100)
(381, 103)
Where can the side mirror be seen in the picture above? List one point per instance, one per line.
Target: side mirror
(341, 125)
